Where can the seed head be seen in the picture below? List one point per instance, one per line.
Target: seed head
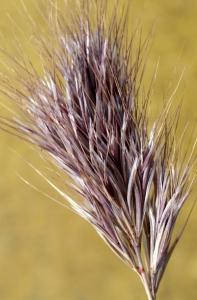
(89, 113)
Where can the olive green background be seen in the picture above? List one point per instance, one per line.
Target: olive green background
(46, 251)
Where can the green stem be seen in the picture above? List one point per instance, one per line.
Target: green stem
(143, 276)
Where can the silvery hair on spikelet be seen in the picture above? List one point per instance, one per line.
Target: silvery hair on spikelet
(90, 115)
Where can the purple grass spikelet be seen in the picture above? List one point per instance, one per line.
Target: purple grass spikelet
(90, 116)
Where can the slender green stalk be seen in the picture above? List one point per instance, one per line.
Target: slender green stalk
(143, 275)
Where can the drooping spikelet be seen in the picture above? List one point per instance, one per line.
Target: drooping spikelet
(89, 114)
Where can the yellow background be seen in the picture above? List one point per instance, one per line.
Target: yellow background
(49, 253)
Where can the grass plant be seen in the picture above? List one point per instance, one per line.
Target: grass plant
(91, 117)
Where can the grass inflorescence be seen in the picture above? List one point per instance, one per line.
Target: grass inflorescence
(90, 114)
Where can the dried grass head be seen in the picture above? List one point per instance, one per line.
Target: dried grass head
(90, 115)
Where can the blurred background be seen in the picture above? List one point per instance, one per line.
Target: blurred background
(48, 252)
